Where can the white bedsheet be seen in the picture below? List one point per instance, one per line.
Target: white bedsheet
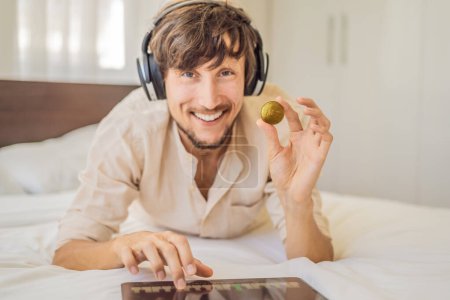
(385, 250)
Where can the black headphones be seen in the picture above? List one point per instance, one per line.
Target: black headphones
(150, 72)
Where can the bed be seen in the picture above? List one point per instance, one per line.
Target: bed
(384, 249)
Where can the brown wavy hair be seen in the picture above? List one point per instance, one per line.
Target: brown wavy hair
(193, 35)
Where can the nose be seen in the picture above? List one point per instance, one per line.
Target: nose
(208, 93)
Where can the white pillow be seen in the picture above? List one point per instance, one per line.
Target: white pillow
(43, 167)
(8, 185)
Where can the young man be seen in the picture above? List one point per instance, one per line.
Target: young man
(197, 162)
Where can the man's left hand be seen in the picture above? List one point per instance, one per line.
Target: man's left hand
(296, 167)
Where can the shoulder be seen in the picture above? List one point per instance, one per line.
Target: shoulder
(136, 113)
(134, 123)
(136, 107)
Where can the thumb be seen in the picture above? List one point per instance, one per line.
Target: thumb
(271, 134)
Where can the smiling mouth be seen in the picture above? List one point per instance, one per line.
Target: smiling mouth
(208, 117)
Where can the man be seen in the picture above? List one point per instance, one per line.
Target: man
(197, 162)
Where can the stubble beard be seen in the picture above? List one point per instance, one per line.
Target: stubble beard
(201, 145)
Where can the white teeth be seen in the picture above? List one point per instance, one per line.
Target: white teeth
(208, 118)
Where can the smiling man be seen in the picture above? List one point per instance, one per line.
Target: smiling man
(200, 162)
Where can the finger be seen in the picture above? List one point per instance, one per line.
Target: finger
(313, 110)
(318, 128)
(317, 137)
(291, 115)
(307, 102)
(311, 134)
(271, 134)
(139, 256)
(129, 260)
(325, 143)
(170, 255)
(318, 115)
(155, 261)
(202, 269)
(184, 251)
(311, 122)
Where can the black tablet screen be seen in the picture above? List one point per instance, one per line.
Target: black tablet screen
(238, 289)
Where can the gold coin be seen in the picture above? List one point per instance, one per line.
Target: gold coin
(272, 112)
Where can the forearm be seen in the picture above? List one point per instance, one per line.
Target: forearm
(304, 238)
(87, 255)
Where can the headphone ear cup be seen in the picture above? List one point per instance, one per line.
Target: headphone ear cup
(156, 77)
(256, 85)
(145, 62)
(250, 87)
(147, 76)
(150, 73)
(262, 74)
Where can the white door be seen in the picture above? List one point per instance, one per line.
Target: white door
(379, 98)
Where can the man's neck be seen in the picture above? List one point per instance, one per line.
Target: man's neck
(203, 154)
(208, 161)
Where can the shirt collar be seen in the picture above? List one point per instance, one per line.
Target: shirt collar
(187, 160)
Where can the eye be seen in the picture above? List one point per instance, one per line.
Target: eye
(188, 74)
(226, 73)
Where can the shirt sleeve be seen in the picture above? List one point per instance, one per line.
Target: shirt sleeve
(276, 213)
(109, 184)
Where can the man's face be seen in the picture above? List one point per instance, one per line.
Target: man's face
(205, 102)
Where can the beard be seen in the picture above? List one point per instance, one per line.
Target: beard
(201, 145)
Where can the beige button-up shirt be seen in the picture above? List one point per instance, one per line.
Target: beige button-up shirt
(137, 154)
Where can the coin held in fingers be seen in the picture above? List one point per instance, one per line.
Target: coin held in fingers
(272, 112)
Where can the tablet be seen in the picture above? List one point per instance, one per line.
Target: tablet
(237, 289)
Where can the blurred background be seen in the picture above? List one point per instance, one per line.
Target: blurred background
(379, 69)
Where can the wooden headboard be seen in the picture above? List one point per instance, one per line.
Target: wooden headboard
(34, 111)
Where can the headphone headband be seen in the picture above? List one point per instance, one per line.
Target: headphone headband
(177, 5)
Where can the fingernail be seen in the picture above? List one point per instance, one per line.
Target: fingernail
(191, 269)
(161, 275)
(181, 284)
(134, 270)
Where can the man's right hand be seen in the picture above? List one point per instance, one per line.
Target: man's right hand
(160, 249)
